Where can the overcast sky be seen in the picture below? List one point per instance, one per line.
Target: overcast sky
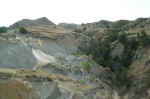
(72, 11)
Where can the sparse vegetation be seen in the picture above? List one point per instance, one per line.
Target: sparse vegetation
(101, 49)
(78, 53)
(3, 29)
(86, 65)
(144, 39)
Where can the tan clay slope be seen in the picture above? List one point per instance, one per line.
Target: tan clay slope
(14, 90)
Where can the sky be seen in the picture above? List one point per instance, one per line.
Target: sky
(72, 11)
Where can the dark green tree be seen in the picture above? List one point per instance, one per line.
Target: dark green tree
(23, 30)
(143, 38)
(3, 29)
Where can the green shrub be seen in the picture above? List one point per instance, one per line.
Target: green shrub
(143, 38)
(77, 53)
(100, 51)
(78, 30)
(23, 30)
(3, 29)
(86, 65)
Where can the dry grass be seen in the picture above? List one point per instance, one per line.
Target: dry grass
(6, 70)
(139, 67)
(47, 31)
(14, 90)
(40, 74)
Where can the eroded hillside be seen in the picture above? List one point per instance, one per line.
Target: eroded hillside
(101, 60)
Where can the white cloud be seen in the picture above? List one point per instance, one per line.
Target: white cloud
(76, 11)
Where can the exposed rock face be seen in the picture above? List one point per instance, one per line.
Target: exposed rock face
(16, 55)
(118, 49)
(17, 47)
(60, 80)
(47, 84)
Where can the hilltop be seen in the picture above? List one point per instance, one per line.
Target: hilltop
(28, 22)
